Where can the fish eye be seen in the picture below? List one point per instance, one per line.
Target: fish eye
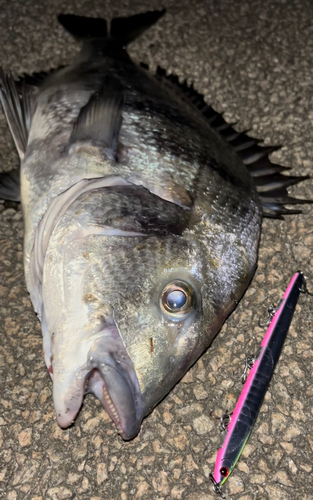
(177, 299)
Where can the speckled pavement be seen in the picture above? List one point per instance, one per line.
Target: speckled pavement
(253, 60)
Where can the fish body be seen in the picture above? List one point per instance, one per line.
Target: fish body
(142, 222)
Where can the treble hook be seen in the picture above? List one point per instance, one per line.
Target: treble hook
(216, 487)
(250, 360)
(272, 310)
(304, 288)
(225, 421)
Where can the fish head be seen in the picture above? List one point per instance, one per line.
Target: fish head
(128, 328)
(134, 301)
(174, 300)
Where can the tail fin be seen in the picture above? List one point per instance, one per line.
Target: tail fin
(84, 28)
(127, 29)
(123, 29)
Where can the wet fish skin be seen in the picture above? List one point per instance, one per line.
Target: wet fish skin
(112, 218)
(133, 274)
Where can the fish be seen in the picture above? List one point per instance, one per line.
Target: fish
(142, 211)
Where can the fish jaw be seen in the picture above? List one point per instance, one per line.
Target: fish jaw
(108, 374)
(119, 391)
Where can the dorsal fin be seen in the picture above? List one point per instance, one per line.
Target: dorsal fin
(100, 120)
(270, 184)
(18, 104)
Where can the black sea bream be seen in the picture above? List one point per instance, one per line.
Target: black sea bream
(142, 212)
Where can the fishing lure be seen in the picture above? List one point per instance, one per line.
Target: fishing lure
(253, 392)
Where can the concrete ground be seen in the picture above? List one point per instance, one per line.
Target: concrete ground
(253, 60)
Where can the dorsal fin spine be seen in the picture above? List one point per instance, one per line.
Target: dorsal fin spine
(270, 184)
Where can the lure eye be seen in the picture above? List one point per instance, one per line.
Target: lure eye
(177, 299)
(224, 471)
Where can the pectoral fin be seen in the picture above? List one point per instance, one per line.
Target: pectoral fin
(100, 120)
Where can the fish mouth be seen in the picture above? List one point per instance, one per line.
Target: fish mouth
(109, 374)
(115, 389)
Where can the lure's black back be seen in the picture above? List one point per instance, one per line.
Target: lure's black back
(268, 357)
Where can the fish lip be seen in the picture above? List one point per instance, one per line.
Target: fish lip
(109, 374)
(119, 394)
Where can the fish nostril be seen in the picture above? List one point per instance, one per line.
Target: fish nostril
(151, 345)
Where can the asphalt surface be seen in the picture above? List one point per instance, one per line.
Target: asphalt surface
(252, 60)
